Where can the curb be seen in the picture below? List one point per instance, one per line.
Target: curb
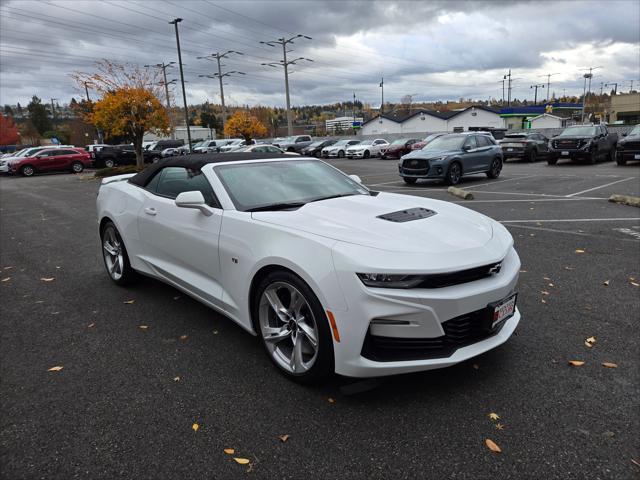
(625, 200)
(458, 192)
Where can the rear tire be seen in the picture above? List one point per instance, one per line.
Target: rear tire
(341, 154)
(27, 171)
(301, 321)
(454, 174)
(366, 154)
(109, 163)
(552, 161)
(77, 167)
(611, 156)
(533, 156)
(409, 181)
(619, 159)
(114, 254)
(593, 158)
(495, 168)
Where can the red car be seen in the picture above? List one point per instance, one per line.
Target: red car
(398, 148)
(428, 139)
(73, 160)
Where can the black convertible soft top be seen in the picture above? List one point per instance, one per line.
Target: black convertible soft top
(197, 161)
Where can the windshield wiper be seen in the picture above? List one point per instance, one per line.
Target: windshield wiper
(276, 206)
(333, 196)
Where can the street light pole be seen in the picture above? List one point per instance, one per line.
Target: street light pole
(285, 63)
(536, 86)
(86, 90)
(53, 110)
(184, 94)
(164, 66)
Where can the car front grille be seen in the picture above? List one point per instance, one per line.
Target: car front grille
(458, 332)
(441, 280)
(635, 145)
(568, 144)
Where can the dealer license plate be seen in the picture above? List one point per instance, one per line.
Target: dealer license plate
(509, 149)
(636, 157)
(565, 153)
(503, 310)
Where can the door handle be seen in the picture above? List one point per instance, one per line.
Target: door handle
(150, 211)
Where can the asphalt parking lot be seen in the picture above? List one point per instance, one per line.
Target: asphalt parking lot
(125, 403)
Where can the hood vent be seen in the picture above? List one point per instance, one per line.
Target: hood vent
(407, 215)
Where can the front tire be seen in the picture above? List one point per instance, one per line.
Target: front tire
(293, 327)
(366, 154)
(620, 160)
(109, 163)
(533, 156)
(454, 174)
(552, 161)
(409, 181)
(341, 154)
(495, 169)
(114, 254)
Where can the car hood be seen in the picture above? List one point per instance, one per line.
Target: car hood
(429, 154)
(359, 146)
(573, 137)
(630, 138)
(355, 220)
(338, 147)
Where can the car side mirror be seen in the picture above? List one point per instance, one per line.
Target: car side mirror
(355, 178)
(193, 199)
(466, 148)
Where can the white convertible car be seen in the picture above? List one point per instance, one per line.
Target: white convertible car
(332, 277)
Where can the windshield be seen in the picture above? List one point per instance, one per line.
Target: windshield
(316, 144)
(255, 185)
(580, 131)
(428, 138)
(20, 153)
(399, 142)
(32, 151)
(453, 142)
(635, 131)
(340, 143)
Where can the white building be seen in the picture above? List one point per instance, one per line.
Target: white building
(181, 134)
(426, 121)
(341, 123)
(547, 121)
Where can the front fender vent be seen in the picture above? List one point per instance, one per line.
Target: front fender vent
(407, 215)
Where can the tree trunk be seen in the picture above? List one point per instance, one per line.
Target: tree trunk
(137, 146)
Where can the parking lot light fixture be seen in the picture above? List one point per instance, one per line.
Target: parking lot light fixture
(175, 22)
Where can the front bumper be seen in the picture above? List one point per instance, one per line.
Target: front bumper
(4, 168)
(513, 152)
(419, 315)
(436, 170)
(570, 154)
(626, 155)
(357, 154)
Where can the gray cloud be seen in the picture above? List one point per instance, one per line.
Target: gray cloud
(438, 49)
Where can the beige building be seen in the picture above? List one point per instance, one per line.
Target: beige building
(625, 108)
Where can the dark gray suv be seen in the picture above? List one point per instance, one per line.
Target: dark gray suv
(451, 157)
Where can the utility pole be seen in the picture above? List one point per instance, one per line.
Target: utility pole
(175, 22)
(218, 56)
(615, 87)
(86, 90)
(587, 90)
(502, 81)
(353, 125)
(166, 84)
(536, 86)
(549, 75)
(285, 63)
(382, 102)
(508, 78)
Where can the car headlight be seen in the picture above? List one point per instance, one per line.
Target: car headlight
(387, 280)
(437, 159)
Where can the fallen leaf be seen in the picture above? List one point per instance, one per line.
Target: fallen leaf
(476, 366)
(568, 268)
(491, 445)
(494, 416)
(609, 365)
(523, 271)
(91, 325)
(283, 438)
(544, 292)
(551, 285)
(579, 250)
(176, 379)
(143, 327)
(546, 278)
(241, 461)
(39, 301)
(635, 462)
(129, 302)
(215, 332)
(587, 344)
(229, 451)
(176, 298)
(543, 301)
(606, 283)
(576, 363)
(499, 426)
(6, 279)
(331, 400)
(195, 427)
(47, 279)
(183, 337)
(57, 368)
(591, 340)
(9, 268)
(635, 284)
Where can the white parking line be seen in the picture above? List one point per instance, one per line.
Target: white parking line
(385, 183)
(601, 186)
(580, 199)
(499, 181)
(627, 219)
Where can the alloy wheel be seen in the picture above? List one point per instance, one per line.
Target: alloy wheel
(77, 167)
(112, 252)
(27, 170)
(454, 173)
(288, 327)
(495, 167)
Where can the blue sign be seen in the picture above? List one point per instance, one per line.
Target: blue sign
(55, 141)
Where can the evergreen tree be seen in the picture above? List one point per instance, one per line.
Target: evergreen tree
(38, 115)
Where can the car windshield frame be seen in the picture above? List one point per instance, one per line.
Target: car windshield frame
(635, 131)
(436, 143)
(581, 131)
(342, 143)
(240, 188)
(400, 141)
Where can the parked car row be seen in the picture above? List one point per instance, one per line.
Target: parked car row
(47, 159)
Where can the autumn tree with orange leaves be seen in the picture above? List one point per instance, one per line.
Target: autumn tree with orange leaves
(8, 131)
(242, 124)
(129, 103)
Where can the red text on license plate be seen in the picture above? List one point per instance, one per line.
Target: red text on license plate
(504, 310)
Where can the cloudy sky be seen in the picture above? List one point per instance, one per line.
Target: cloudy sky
(428, 49)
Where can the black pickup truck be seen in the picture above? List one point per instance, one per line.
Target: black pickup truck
(113, 155)
(629, 147)
(588, 143)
